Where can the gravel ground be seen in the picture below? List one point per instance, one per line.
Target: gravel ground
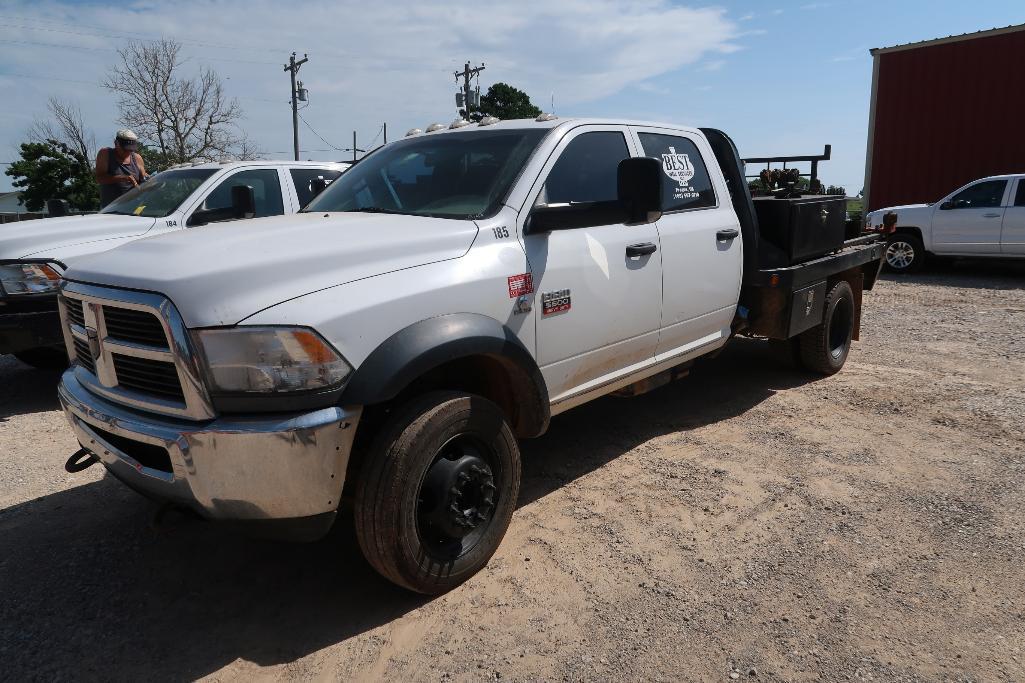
(749, 522)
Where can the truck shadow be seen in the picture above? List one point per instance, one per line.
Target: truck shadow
(968, 273)
(26, 390)
(90, 590)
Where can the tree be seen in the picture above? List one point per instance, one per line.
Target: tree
(53, 170)
(183, 118)
(65, 127)
(505, 102)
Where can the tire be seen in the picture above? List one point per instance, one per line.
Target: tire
(824, 348)
(437, 491)
(44, 358)
(905, 253)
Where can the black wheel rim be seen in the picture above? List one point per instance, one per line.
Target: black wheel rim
(841, 324)
(457, 497)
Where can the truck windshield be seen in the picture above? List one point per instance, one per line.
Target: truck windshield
(461, 175)
(161, 195)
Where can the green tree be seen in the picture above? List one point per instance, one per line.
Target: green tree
(155, 160)
(505, 102)
(52, 170)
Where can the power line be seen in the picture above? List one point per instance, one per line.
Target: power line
(337, 149)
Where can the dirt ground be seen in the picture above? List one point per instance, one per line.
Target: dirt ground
(748, 522)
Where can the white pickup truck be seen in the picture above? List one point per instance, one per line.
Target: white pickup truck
(984, 219)
(33, 255)
(447, 295)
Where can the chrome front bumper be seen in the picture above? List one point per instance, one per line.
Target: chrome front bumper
(240, 469)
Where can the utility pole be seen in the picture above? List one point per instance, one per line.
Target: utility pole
(467, 95)
(293, 68)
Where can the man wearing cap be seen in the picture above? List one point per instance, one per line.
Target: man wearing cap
(119, 168)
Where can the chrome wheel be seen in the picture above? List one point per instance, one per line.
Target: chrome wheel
(900, 255)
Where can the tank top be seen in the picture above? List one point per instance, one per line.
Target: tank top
(110, 192)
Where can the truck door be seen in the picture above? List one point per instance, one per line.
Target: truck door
(1012, 236)
(597, 299)
(969, 221)
(702, 252)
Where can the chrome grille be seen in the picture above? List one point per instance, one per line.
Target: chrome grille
(74, 309)
(82, 355)
(148, 376)
(138, 327)
(132, 348)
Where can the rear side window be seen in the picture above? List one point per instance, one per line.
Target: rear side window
(587, 169)
(1019, 199)
(984, 195)
(685, 181)
(266, 188)
(303, 179)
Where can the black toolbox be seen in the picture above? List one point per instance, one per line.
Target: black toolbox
(797, 229)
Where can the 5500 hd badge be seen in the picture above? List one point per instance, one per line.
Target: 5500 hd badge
(555, 302)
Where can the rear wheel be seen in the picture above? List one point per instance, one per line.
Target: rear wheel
(44, 358)
(437, 491)
(904, 253)
(824, 348)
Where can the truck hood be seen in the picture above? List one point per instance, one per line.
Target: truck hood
(233, 270)
(67, 236)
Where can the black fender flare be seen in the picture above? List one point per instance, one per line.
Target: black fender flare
(423, 346)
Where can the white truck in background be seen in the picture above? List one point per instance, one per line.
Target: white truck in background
(33, 255)
(983, 219)
(446, 296)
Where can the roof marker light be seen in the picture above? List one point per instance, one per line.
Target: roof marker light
(489, 121)
(546, 117)
(459, 123)
(435, 126)
(413, 131)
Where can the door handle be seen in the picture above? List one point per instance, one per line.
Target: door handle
(727, 234)
(991, 215)
(642, 249)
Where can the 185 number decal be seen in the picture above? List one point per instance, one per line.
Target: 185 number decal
(500, 232)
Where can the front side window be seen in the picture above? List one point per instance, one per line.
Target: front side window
(1019, 199)
(303, 179)
(461, 175)
(685, 180)
(266, 189)
(161, 195)
(587, 169)
(984, 195)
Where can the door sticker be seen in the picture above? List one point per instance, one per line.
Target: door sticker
(680, 170)
(520, 284)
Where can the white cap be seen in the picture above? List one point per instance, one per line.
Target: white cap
(125, 134)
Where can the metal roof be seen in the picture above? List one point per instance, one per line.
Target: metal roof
(949, 39)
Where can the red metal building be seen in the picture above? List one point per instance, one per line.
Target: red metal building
(945, 112)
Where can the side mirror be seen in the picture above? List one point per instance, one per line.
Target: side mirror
(317, 185)
(639, 185)
(638, 201)
(947, 206)
(243, 201)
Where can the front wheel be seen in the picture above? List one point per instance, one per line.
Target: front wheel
(904, 253)
(824, 348)
(437, 492)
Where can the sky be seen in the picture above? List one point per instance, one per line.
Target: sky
(781, 78)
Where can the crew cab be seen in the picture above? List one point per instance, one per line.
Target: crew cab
(983, 219)
(442, 299)
(34, 255)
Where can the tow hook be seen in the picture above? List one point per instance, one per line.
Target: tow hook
(80, 461)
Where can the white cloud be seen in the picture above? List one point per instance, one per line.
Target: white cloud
(369, 62)
(747, 17)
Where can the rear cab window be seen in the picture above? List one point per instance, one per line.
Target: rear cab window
(303, 179)
(686, 184)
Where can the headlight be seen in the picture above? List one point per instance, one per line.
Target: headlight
(28, 278)
(269, 360)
